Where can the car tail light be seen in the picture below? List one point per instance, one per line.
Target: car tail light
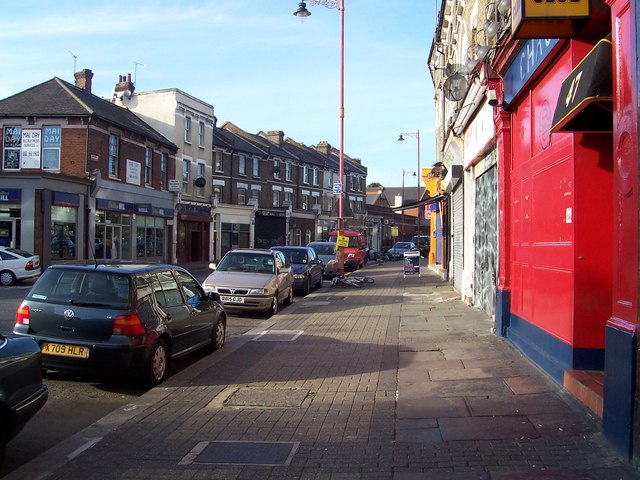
(29, 265)
(127, 325)
(23, 315)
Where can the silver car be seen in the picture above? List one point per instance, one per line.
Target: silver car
(252, 279)
(326, 252)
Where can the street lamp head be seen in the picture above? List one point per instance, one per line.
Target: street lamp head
(401, 138)
(302, 13)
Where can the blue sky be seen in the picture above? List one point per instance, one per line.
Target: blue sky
(257, 64)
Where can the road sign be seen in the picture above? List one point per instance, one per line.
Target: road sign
(337, 188)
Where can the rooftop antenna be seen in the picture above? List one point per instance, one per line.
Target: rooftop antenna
(135, 72)
(74, 61)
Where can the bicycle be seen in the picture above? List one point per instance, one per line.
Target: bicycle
(351, 281)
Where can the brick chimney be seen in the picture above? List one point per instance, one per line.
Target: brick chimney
(276, 136)
(83, 79)
(324, 147)
(124, 84)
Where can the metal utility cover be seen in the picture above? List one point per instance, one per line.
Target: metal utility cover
(267, 397)
(241, 453)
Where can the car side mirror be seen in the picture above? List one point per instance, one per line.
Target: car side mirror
(213, 296)
(213, 266)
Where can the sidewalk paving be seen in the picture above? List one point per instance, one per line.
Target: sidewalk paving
(395, 380)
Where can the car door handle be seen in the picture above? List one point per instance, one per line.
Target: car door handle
(168, 317)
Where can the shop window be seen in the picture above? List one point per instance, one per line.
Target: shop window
(63, 232)
(150, 237)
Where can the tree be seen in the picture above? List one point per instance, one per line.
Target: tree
(374, 185)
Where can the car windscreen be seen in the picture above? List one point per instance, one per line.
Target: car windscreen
(247, 262)
(83, 288)
(17, 251)
(295, 255)
(324, 248)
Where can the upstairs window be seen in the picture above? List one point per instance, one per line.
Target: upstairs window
(114, 155)
(187, 129)
(276, 198)
(305, 174)
(256, 167)
(242, 196)
(51, 136)
(287, 170)
(276, 169)
(163, 171)
(12, 144)
(217, 161)
(148, 164)
(314, 173)
(200, 173)
(242, 165)
(186, 175)
(201, 134)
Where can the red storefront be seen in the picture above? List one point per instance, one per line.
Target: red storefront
(568, 204)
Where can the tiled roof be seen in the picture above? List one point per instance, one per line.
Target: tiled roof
(58, 98)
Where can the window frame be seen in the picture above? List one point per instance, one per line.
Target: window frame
(187, 129)
(114, 155)
(148, 166)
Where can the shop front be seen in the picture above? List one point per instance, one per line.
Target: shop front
(270, 228)
(193, 234)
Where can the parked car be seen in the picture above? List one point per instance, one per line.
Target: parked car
(326, 252)
(425, 244)
(252, 279)
(121, 318)
(16, 265)
(397, 251)
(305, 265)
(22, 392)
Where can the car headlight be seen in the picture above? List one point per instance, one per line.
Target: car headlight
(258, 291)
(351, 255)
(300, 276)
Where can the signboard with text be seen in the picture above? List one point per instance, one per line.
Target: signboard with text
(547, 18)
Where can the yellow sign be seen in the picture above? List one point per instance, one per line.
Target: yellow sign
(556, 8)
(394, 231)
(342, 241)
(547, 18)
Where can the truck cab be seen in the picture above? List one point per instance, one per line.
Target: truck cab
(355, 254)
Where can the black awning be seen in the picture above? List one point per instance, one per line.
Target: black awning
(419, 203)
(585, 102)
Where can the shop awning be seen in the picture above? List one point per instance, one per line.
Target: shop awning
(420, 203)
(585, 103)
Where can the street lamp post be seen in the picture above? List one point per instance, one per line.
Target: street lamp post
(415, 135)
(302, 13)
(405, 172)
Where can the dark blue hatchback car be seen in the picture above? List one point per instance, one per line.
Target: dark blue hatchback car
(119, 318)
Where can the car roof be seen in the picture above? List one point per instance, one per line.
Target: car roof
(289, 247)
(251, 250)
(116, 267)
(321, 243)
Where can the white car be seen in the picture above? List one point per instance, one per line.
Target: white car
(16, 264)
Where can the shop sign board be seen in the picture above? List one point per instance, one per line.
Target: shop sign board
(547, 18)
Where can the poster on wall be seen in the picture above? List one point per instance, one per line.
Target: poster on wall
(30, 153)
(133, 172)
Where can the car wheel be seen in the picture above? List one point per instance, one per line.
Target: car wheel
(273, 309)
(289, 299)
(7, 277)
(219, 335)
(157, 363)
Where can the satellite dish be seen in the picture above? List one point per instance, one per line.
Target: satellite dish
(127, 93)
(455, 87)
(455, 69)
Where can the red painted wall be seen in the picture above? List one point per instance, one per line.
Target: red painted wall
(556, 182)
